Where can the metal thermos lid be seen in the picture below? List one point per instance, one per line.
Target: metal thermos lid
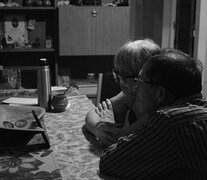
(43, 62)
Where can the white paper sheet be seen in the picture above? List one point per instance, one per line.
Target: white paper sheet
(58, 88)
(20, 101)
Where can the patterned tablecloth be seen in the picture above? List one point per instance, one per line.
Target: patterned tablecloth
(76, 158)
(73, 155)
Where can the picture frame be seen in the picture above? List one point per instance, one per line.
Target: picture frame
(15, 30)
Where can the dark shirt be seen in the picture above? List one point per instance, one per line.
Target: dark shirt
(172, 144)
(131, 117)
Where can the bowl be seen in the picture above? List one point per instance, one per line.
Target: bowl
(59, 102)
(17, 124)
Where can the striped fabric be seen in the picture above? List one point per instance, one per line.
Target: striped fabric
(171, 145)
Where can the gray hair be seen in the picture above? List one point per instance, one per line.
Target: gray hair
(133, 54)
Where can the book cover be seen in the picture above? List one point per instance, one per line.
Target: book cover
(15, 30)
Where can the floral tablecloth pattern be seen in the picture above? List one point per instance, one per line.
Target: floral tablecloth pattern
(75, 158)
(32, 166)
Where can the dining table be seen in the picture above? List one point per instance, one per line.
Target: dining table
(69, 157)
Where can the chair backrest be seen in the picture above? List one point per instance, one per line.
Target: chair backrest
(107, 87)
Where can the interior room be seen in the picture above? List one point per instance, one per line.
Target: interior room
(78, 38)
(57, 64)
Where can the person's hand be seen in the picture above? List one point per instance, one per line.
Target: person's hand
(105, 111)
(107, 132)
(125, 131)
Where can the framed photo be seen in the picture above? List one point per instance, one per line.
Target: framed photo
(15, 30)
(48, 43)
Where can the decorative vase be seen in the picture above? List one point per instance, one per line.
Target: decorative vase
(59, 102)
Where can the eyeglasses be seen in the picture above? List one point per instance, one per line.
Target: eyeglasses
(139, 81)
(120, 77)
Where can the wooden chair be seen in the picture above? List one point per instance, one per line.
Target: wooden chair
(107, 87)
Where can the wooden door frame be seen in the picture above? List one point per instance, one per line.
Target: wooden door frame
(200, 44)
(169, 18)
(200, 40)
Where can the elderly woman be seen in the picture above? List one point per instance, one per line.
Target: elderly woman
(115, 117)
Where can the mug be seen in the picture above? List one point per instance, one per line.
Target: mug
(59, 102)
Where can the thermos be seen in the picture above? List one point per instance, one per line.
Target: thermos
(44, 85)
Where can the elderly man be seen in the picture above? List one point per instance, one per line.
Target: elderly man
(171, 143)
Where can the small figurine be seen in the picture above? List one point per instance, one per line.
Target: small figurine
(47, 3)
(38, 3)
(37, 43)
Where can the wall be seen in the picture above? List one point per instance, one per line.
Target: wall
(169, 17)
(146, 19)
(79, 66)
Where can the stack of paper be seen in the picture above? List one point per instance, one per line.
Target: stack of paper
(21, 101)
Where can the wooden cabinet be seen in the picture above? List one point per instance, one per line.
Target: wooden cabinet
(92, 30)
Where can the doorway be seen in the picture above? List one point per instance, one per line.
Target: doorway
(185, 26)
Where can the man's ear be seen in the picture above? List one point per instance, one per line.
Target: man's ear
(161, 94)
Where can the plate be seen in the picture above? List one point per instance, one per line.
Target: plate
(17, 124)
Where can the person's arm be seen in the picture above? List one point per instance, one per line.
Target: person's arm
(91, 120)
(100, 126)
(148, 152)
(101, 122)
(121, 104)
(126, 130)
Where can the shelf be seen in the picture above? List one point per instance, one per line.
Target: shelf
(25, 8)
(45, 20)
(5, 50)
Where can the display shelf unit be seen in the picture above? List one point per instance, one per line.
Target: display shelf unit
(16, 50)
(28, 56)
(25, 8)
